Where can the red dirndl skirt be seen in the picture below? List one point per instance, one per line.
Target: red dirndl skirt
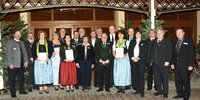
(68, 73)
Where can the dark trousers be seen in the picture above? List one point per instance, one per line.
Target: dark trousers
(12, 74)
(161, 75)
(112, 77)
(85, 68)
(138, 71)
(96, 77)
(182, 81)
(104, 74)
(30, 79)
(132, 75)
(149, 77)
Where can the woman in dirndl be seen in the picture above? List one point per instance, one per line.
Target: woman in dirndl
(56, 60)
(68, 65)
(122, 68)
(42, 52)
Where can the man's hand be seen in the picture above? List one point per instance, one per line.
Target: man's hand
(190, 68)
(107, 61)
(11, 66)
(135, 59)
(166, 64)
(172, 66)
(31, 59)
(26, 64)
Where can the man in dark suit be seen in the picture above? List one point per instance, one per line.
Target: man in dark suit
(76, 41)
(17, 62)
(151, 41)
(111, 38)
(103, 51)
(93, 40)
(182, 63)
(30, 68)
(162, 57)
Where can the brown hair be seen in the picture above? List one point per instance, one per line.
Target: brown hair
(42, 31)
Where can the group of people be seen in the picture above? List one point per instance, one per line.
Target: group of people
(118, 59)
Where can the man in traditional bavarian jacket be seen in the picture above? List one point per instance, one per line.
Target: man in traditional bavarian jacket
(17, 62)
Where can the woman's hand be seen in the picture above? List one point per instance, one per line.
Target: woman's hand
(92, 66)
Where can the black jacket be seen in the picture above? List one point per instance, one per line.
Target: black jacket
(50, 48)
(185, 56)
(81, 53)
(163, 52)
(142, 49)
(65, 47)
(28, 46)
(150, 50)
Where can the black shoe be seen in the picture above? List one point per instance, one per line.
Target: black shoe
(142, 95)
(56, 88)
(107, 90)
(61, 88)
(46, 91)
(68, 90)
(165, 96)
(72, 90)
(119, 91)
(99, 90)
(30, 90)
(149, 89)
(88, 88)
(77, 87)
(123, 91)
(135, 93)
(177, 97)
(23, 92)
(157, 93)
(83, 89)
(13, 96)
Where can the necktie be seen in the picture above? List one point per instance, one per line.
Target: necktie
(112, 39)
(104, 44)
(178, 45)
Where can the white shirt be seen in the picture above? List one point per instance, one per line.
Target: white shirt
(136, 49)
(86, 49)
(93, 40)
(112, 35)
(152, 39)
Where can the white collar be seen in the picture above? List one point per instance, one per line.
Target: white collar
(152, 39)
(87, 44)
(16, 40)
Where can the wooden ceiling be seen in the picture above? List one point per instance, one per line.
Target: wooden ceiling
(141, 6)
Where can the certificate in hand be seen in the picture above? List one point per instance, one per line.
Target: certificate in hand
(57, 51)
(119, 53)
(42, 56)
(69, 54)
